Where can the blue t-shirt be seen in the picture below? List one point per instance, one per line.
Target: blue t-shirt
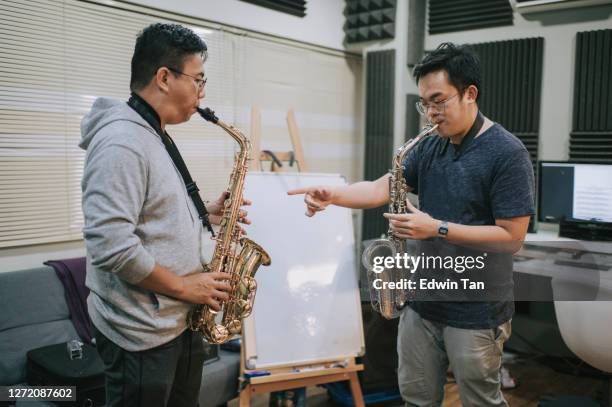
(482, 179)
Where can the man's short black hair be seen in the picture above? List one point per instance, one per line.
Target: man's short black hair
(460, 63)
(161, 45)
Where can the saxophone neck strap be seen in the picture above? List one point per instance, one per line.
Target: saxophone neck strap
(149, 114)
(458, 149)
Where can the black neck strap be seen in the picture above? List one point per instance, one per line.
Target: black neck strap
(150, 115)
(469, 137)
(458, 149)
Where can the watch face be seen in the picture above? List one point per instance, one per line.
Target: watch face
(443, 230)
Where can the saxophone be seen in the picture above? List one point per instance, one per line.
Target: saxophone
(243, 266)
(389, 302)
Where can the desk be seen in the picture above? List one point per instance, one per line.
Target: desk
(551, 238)
(549, 235)
(545, 284)
(563, 269)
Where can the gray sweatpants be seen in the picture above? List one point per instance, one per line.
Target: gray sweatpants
(425, 349)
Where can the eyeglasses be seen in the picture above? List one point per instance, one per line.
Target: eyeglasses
(199, 82)
(437, 107)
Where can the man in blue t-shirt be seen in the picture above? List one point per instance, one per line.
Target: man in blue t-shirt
(475, 187)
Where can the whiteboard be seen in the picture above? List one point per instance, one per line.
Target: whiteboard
(307, 306)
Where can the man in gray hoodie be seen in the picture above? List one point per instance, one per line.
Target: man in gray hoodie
(142, 231)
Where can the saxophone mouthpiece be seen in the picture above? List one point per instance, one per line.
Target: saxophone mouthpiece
(429, 128)
(430, 125)
(208, 114)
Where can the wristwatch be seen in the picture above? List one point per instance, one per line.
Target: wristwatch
(443, 229)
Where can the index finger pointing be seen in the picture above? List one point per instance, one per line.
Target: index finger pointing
(298, 191)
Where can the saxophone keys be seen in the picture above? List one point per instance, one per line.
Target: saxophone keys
(235, 326)
(219, 334)
(243, 289)
(247, 285)
(248, 308)
(251, 284)
(244, 308)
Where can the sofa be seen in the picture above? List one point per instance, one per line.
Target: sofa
(34, 314)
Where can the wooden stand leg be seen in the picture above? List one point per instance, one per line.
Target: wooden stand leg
(245, 397)
(255, 138)
(294, 133)
(356, 390)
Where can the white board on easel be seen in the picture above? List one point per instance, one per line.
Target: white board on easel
(307, 306)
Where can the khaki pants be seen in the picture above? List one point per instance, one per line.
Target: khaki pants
(426, 348)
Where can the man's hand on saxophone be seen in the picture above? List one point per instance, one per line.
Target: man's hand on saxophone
(416, 225)
(205, 288)
(216, 208)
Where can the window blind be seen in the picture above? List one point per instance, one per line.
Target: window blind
(57, 57)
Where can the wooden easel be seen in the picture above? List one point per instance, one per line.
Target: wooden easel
(297, 155)
(292, 377)
(300, 375)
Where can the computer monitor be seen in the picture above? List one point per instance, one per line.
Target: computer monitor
(574, 190)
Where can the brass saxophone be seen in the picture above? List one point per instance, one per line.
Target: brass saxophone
(389, 302)
(241, 266)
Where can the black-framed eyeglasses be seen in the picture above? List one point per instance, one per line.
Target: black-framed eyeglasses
(199, 82)
(437, 107)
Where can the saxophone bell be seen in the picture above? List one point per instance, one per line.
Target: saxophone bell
(383, 300)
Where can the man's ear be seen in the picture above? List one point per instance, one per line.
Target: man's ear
(471, 93)
(161, 78)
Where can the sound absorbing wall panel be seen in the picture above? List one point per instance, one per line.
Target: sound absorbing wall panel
(413, 118)
(368, 20)
(294, 7)
(591, 136)
(461, 15)
(511, 87)
(380, 100)
(416, 31)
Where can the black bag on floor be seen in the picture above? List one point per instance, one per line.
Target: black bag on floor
(52, 366)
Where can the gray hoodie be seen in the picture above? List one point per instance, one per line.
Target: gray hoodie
(137, 213)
